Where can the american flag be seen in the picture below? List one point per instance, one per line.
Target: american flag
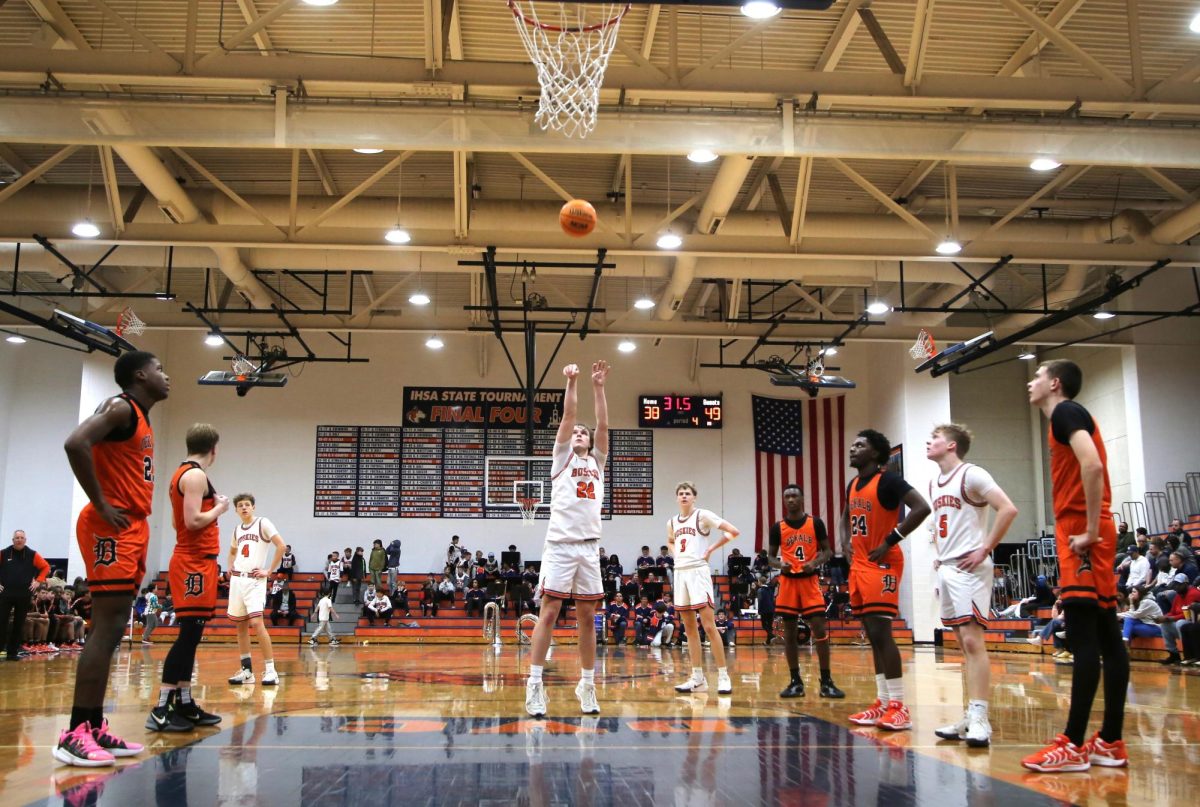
(799, 442)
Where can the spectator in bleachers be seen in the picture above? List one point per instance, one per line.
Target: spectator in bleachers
(150, 613)
(1046, 632)
(453, 553)
(1186, 595)
(446, 589)
(222, 582)
(378, 606)
(1135, 569)
(283, 604)
(643, 619)
(475, 599)
(645, 559)
(429, 596)
(665, 563)
(614, 570)
(1182, 564)
(1124, 538)
(734, 553)
(727, 629)
(358, 570)
(62, 621)
(1177, 532)
(617, 614)
(477, 565)
(665, 614)
(492, 565)
(762, 563)
(333, 575)
(1161, 582)
(377, 563)
(1142, 618)
(167, 617)
(393, 563)
(1173, 545)
(462, 579)
(630, 589)
(287, 564)
(1042, 597)
(603, 559)
(81, 606)
(399, 596)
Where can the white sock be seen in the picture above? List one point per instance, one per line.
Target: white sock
(895, 689)
(269, 666)
(881, 688)
(587, 676)
(723, 671)
(535, 673)
(697, 673)
(982, 706)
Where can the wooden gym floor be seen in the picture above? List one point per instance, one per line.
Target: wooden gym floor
(444, 724)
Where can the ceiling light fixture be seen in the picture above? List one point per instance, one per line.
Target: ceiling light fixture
(669, 240)
(760, 9)
(702, 155)
(948, 247)
(1026, 355)
(1103, 314)
(626, 346)
(15, 340)
(434, 343)
(643, 303)
(320, 2)
(419, 298)
(829, 351)
(397, 235)
(368, 151)
(1044, 164)
(878, 308)
(1194, 26)
(85, 229)
(214, 339)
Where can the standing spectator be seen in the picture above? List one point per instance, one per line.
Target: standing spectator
(283, 605)
(603, 559)
(429, 596)
(287, 564)
(333, 575)
(766, 608)
(150, 614)
(325, 609)
(393, 565)
(618, 619)
(167, 615)
(358, 570)
(378, 563)
(475, 598)
(727, 629)
(21, 569)
(399, 597)
(378, 607)
(453, 552)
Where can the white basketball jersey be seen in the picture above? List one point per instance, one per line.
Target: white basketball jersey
(693, 536)
(959, 503)
(253, 544)
(576, 495)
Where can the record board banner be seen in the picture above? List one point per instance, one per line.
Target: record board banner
(481, 408)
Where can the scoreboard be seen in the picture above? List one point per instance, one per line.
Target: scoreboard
(679, 411)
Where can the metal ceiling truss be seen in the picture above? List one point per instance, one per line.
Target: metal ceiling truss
(319, 288)
(80, 277)
(275, 357)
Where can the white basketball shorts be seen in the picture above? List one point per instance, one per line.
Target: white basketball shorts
(692, 588)
(965, 596)
(247, 597)
(571, 570)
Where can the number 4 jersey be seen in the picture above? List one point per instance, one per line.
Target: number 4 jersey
(577, 494)
(693, 535)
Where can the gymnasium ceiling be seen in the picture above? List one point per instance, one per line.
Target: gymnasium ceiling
(215, 137)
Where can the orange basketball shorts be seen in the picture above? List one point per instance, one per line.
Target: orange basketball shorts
(115, 558)
(875, 588)
(193, 581)
(799, 595)
(1090, 577)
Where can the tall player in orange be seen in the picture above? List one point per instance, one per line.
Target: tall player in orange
(112, 456)
(192, 575)
(871, 534)
(1086, 539)
(801, 543)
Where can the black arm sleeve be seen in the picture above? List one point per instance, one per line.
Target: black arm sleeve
(822, 533)
(775, 538)
(1067, 418)
(892, 489)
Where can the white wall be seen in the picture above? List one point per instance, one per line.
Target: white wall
(1103, 395)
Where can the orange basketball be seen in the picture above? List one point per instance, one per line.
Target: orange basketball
(577, 218)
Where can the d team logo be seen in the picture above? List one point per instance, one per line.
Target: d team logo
(105, 551)
(193, 585)
(889, 583)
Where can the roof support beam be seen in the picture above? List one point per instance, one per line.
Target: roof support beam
(51, 13)
(222, 187)
(549, 182)
(112, 192)
(13, 160)
(33, 173)
(881, 197)
(1065, 177)
(323, 174)
(250, 15)
(136, 35)
(250, 30)
(1135, 46)
(886, 48)
(362, 187)
(1058, 38)
(839, 40)
(800, 205)
(698, 72)
(189, 36)
(922, 22)
(434, 43)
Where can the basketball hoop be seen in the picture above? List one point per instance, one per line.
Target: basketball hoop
(571, 55)
(528, 510)
(128, 323)
(924, 347)
(243, 366)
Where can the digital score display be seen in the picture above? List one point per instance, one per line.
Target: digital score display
(679, 411)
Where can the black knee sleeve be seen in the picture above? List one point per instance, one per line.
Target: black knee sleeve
(182, 655)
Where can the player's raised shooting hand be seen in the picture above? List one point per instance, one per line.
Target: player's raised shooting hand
(571, 371)
(599, 373)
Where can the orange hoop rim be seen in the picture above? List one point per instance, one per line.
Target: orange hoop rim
(558, 29)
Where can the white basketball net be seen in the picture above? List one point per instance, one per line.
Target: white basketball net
(128, 323)
(570, 51)
(243, 366)
(924, 347)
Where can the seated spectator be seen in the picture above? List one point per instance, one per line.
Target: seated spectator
(478, 564)
(1056, 624)
(283, 604)
(1177, 532)
(1181, 563)
(530, 577)
(81, 606)
(167, 617)
(461, 579)
(377, 606)
(733, 553)
(665, 563)
(399, 598)
(645, 559)
(492, 566)
(630, 589)
(1124, 538)
(666, 626)
(614, 568)
(1172, 622)
(617, 615)
(643, 622)
(1142, 618)
(287, 564)
(1042, 597)
(446, 589)
(63, 622)
(475, 599)
(762, 563)
(726, 629)
(1136, 570)
(429, 595)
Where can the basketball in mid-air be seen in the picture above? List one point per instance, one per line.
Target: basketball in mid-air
(577, 218)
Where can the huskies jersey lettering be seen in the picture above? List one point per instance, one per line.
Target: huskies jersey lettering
(125, 463)
(252, 543)
(959, 503)
(577, 494)
(693, 536)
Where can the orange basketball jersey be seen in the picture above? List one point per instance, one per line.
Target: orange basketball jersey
(1065, 476)
(205, 541)
(870, 522)
(125, 467)
(797, 545)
